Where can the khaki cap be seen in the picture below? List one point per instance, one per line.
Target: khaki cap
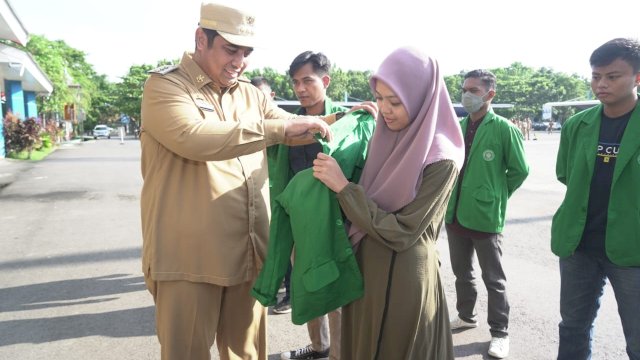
(234, 25)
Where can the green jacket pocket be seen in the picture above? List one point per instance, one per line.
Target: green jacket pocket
(320, 276)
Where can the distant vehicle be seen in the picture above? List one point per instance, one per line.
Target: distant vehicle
(539, 125)
(101, 131)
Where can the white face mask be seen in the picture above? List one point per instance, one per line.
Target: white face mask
(472, 102)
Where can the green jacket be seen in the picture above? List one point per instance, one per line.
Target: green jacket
(278, 157)
(325, 274)
(495, 168)
(574, 168)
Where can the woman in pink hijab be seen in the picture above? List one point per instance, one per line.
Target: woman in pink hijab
(396, 212)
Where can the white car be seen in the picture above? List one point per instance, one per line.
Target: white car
(101, 131)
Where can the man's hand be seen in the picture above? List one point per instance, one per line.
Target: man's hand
(303, 128)
(369, 106)
(327, 170)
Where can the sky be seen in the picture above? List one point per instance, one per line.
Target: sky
(356, 35)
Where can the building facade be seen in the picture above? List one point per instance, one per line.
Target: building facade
(21, 79)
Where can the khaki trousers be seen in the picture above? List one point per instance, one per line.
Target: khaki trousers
(190, 317)
(324, 332)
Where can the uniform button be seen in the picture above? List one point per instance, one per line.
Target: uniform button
(339, 222)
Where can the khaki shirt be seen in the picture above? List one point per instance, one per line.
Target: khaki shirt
(205, 197)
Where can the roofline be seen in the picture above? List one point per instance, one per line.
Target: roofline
(17, 19)
(38, 74)
(572, 103)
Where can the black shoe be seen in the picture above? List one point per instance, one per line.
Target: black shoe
(283, 307)
(306, 352)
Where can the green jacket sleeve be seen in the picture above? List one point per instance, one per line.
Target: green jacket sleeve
(561, 159)
(516, 164)
(265, 288)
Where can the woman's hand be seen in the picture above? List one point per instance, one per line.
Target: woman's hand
(327, 170)
(369, 106)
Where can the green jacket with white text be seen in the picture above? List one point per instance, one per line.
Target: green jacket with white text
(574, 168)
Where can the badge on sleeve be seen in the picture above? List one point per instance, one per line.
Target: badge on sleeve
(164, 69)
(204, 105)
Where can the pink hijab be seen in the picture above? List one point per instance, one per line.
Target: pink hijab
(396, 159)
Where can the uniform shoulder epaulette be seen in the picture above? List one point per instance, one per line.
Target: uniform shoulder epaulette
(164, 69)
(244, 79)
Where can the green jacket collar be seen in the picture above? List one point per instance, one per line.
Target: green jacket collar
(488, 117)
(629, 144)
(328, 108)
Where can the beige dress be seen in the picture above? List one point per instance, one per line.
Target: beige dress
(403, 313)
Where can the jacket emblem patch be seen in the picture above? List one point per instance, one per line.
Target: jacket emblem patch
(488, 155)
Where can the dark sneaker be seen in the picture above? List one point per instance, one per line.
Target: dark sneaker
(458, 323)
(306, 352)
(283, 307)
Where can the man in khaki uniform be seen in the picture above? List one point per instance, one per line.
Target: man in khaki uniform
(204, 203)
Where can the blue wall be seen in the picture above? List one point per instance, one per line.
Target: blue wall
(30, 107)
(15, 98)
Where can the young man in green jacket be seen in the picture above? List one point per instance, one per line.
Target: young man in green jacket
(309, 73)
(596, 230)
(493, 169)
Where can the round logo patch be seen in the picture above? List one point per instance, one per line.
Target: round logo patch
(488, 155)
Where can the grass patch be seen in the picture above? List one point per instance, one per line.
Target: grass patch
(36, 155)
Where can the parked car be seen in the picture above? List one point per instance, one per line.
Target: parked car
(101, 131)
(539, 125)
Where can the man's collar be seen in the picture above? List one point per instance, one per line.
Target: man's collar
(197, 75)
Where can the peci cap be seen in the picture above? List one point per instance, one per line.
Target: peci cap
(234, 25)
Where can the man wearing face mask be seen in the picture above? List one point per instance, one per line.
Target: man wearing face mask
(494, 167)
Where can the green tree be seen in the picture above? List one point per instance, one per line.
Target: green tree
(127, 94)
(64, 66)
(528, 89)
(354, 83)
(103, 103)
(280, 83)
(454, 84)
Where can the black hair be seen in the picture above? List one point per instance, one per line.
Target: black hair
(627, 50)
(486, 76)
(211, 34)
(319, 61)
(258, 81)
